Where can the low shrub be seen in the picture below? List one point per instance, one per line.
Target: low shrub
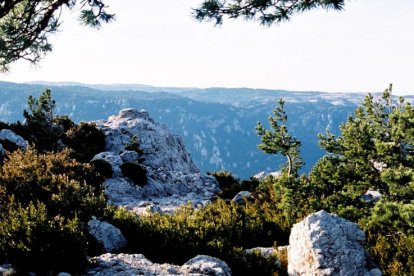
(45, 202)
(220, 229)
(32, 240)
(390, 237)
(230, 186)
(136, 172)
(102, 167)
(86, 140)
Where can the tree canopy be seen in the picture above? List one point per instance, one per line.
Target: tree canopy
(278, 140)
(25, 25)
(267, 12)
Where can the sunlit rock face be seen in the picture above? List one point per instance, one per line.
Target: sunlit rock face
(325, 244)
(172, 177)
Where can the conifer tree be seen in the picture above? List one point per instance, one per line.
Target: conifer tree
(278, 140)
(40, 118)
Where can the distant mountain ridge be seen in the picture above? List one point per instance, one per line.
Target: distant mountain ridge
(217, 124)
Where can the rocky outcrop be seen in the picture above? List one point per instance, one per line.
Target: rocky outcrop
(325, 244)
(9, 137)
(242, 196)
(137, 264)
(172, 177)
(107, 235)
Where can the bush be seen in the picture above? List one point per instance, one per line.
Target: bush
(33, 241)
(45, 202)
(230, 186)
(66, 187)
(102, 167)
(86, 140)
(136, 172)
(220, 229)
(390, 237)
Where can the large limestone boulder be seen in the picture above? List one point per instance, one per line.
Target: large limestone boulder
(136, 264)
(172, 177)
(107, 235)
(325, 244)
(161, 148)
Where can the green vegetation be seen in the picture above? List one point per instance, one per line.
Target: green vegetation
(135, 171)
(46, 194)
(231, 186)
(45, 201)
(220, 229)
(267, 12)
(278, 140)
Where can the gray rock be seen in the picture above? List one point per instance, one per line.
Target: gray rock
(242, 196)
(205, 265)
(173, 179)
(137, 264)
(10, 136)
(325, 244)
(2, 150)
(129, 155)
(107, 235)
(63, 274)
(162, 149)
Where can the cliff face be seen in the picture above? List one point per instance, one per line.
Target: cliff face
(172, 177)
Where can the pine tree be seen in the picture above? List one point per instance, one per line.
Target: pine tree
(40, 118)
(278, 140)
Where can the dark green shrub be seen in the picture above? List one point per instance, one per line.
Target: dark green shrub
(64, 121)
(66, 187)
(390, 237)
(134, 145)
(220, 229)
(229, 186)
(31, 240)
(136, 172)
(86, 140)
(4, 125)
(45, 201)
(102, 167)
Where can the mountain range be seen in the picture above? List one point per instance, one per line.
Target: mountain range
(217, 124)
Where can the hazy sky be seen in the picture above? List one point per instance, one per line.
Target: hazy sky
(157, 42)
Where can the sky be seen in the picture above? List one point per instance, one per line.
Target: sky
(157, 42)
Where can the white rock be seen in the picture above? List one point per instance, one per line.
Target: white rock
(205, 265)
(242, 196)
(162, 149)
(10, 136)
(173, 179)
(137, 264)
(325, 244)
(372, 195)
(107, 235)
(262, 175)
